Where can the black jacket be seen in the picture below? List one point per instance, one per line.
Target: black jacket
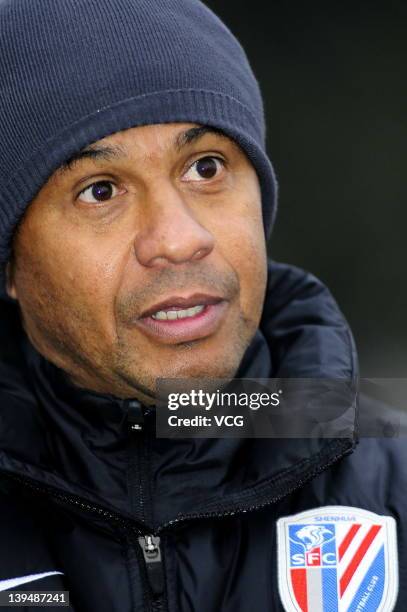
(79, 488)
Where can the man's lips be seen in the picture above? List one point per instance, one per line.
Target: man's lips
(174, 331)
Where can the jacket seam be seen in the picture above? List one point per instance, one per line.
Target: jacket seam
(257, 490)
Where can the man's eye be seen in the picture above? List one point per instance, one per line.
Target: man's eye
(204, 169)
(99, 192)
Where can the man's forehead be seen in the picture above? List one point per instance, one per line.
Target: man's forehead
(112, 148)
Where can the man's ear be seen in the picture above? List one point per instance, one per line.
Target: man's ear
(10, 286)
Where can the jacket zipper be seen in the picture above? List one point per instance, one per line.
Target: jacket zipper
(149, 543)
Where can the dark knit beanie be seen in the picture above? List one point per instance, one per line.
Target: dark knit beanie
(75, 71)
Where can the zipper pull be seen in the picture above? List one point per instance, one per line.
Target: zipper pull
(150, 546)
(135, 415)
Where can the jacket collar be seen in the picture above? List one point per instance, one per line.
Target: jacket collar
(78, 441)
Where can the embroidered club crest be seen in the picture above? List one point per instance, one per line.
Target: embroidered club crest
(337, 559)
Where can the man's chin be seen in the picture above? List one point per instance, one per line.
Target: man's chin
(207, 364)
(188, 375)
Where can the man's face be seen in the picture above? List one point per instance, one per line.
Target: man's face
(162, 213)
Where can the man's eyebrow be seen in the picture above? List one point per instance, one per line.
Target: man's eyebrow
(110, 152)
(105, 152)
(193, 134)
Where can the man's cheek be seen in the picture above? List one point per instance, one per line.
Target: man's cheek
(252, 269)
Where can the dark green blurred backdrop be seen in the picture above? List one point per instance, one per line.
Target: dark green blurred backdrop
(333, 76)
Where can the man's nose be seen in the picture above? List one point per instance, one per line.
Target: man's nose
(171, 231)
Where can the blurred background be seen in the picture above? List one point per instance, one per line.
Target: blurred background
(333, 76)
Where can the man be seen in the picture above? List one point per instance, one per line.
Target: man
(135, 205)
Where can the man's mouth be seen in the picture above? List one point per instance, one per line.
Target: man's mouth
(183, 319)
